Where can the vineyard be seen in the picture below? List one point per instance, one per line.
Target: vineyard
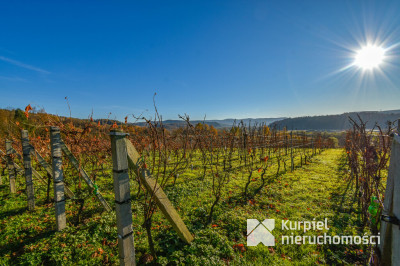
(189, 191)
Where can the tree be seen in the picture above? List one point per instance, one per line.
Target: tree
(19, 115)
(199, 126)
(213, 130)
(333, 142)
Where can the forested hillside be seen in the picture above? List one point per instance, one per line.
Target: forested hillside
(338, 122)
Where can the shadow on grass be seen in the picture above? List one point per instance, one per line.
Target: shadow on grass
(17, 248)
(342, 172)
(11, 213)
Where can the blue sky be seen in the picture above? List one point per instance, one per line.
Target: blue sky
(222, 59)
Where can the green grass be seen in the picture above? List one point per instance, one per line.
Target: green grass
(317, 190)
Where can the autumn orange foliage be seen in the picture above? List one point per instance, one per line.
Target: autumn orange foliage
(27, 109)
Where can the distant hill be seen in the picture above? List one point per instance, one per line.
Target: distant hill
(338, 122)
(229, 122)
(224, 123)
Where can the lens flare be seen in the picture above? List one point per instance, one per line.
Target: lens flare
(369, 57)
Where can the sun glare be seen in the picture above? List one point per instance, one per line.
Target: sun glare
(369, 57)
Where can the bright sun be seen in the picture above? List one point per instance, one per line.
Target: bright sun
(369, 57)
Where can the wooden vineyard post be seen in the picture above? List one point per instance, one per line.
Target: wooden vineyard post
(291, 152)
(150, 183)
(49, 171)
(26, 152)
(389, 231)
(10, 166)
(122, 198)
(58, 178)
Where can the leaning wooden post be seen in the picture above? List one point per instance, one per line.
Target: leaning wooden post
(122, 198)
(10, 166)
(58, 178)
(161, 199)
(26, 152)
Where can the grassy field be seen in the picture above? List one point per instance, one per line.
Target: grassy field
(319, 190)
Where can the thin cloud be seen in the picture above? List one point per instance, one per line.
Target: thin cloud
(20, 64)
(12, 78)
